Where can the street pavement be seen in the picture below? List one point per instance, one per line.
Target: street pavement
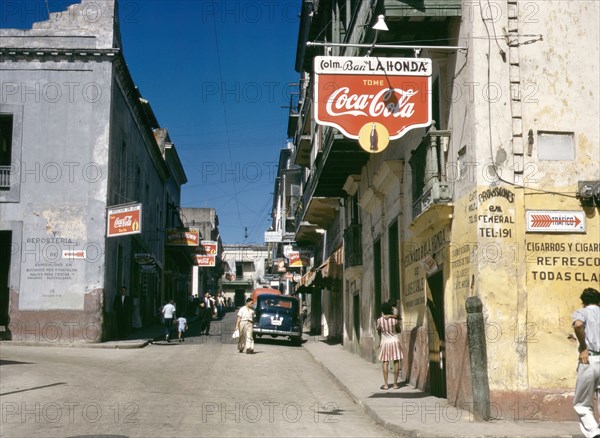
(199, 388)
(203, 387)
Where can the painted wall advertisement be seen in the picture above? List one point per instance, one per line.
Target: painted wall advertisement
(421, 258)
(53, 267)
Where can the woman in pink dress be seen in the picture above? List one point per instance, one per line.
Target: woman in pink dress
(390, 349)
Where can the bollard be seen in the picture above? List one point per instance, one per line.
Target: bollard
(478, 356)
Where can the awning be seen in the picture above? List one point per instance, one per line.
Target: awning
(334, 266)
(308, 278)
(332, 269)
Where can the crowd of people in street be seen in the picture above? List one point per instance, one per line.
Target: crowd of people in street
(204, 308)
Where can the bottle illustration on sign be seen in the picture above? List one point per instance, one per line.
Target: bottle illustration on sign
(374, 138)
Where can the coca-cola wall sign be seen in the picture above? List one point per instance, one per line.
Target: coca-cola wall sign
(372, 99)
(124, 220)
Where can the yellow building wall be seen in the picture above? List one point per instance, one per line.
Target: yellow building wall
(558, 267)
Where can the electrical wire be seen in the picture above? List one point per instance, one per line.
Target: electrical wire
(490, 135)
(227, 136)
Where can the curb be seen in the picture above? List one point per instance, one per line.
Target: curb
(118, 345)
(369, 411)
(408, 433)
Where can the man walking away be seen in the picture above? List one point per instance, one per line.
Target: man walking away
(168, 312)
(586, 322)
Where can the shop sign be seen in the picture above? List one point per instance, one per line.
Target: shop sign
(205, 260)
(273, 236)
(281, 266)
(125, 220)
(543, 221)
(373, 99)
(206, 255)
(298, 259)
(208, 247)
(183, 236)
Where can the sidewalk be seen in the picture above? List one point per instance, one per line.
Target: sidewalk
(410, 412)
(136, 339)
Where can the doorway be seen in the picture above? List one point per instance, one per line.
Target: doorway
(239, 299)
(5, 254)
(437, 336)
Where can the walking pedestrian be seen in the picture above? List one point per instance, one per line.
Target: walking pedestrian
(168, 312)
(390, 348)
(205, 317)
(220, 305)
(181, 328)
(244, 323)
(586, 323)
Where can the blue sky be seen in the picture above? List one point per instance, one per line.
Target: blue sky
(217, 74)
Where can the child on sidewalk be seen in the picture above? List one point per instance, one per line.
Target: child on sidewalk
(181, 328)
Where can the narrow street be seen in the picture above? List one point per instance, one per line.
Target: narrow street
(202, 387)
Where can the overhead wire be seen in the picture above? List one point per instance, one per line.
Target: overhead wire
(225, 113)
(489, 107)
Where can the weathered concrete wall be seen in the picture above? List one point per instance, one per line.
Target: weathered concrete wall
(60, 167)
(73, 102)
(529, 282)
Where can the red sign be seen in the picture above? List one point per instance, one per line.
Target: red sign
(373, 100)
(124, 220)
(206, 255)
(205, 260)
(208, 247)
(297, 259)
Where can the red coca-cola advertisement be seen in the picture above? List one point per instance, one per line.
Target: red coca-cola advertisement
(124, 220)
(372, 99)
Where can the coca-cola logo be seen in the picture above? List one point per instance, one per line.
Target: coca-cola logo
(392, 102)
(124, 221)
(374, 104)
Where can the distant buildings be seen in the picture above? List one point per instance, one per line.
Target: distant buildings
(244, 271)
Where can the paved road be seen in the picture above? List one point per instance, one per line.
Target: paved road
(202, 387)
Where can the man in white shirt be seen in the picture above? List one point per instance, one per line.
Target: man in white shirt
(168, 312)
(586, 322)
(244, 324)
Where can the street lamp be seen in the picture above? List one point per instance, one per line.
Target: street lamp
(380, 25)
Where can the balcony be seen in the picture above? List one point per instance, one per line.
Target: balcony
(353, 245)
(430, 186)
(5, 177)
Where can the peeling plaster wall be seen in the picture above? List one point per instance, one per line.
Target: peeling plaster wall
(530, 282)
(63, 106)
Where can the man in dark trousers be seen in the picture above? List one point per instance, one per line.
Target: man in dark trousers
(122, 307)
(205, 317)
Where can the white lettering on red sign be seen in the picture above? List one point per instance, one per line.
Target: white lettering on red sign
(380, 104)
(123, 222)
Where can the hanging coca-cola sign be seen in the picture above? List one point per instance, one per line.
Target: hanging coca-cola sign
(124, 220)
(372, 99)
